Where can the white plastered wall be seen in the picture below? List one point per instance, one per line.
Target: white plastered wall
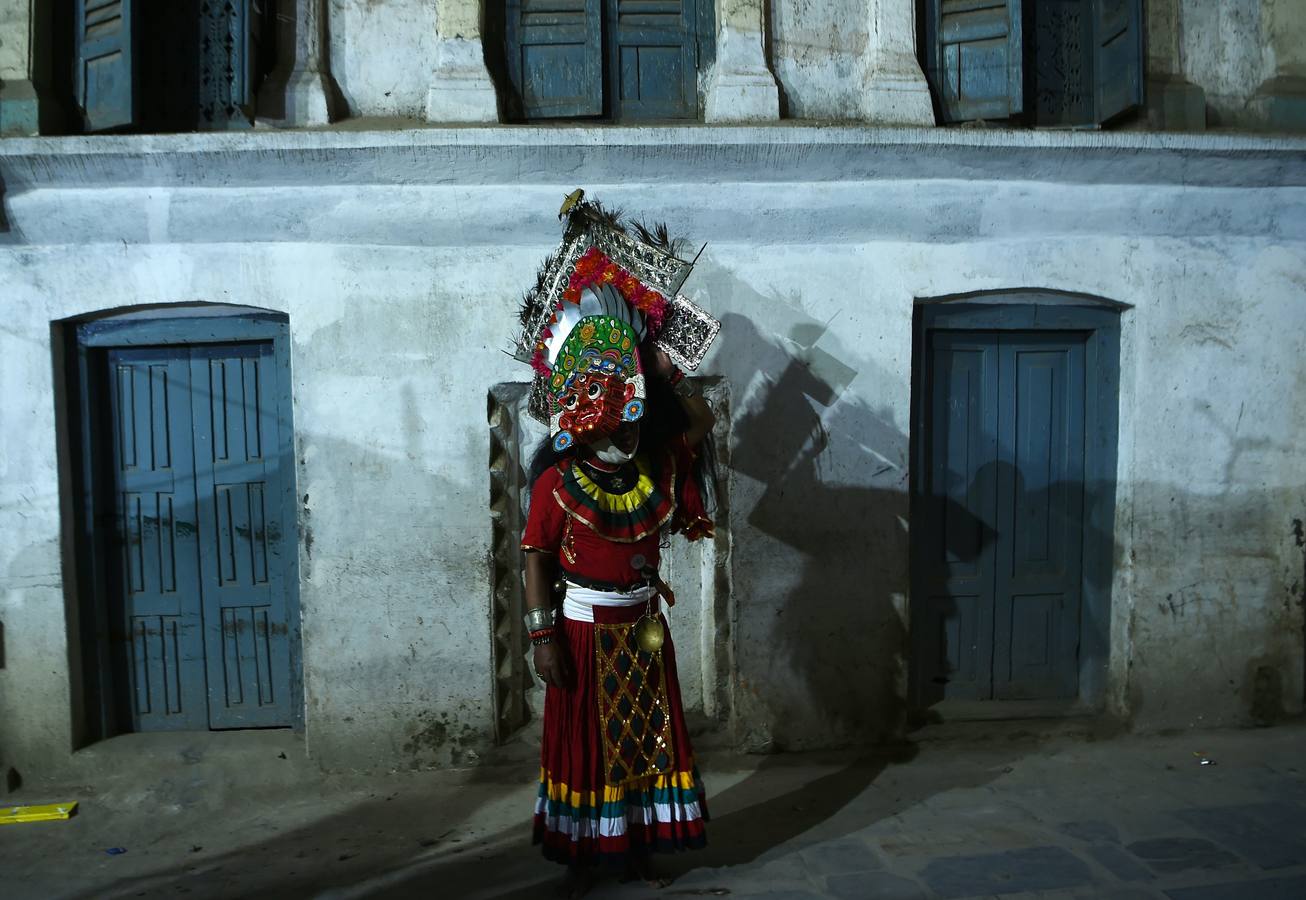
(401, 299)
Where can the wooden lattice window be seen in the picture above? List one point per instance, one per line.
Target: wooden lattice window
(1043, 62)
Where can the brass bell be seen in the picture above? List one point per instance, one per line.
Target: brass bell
(649, 634)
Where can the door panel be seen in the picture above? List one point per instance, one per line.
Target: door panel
(555, 56)
(652, 59)
(156, 631)
(1040, 515)
(103, 70)
(960, 498)
(998, 553)
(1118, 63)
(237, 478)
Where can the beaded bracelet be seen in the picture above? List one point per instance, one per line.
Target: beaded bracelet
(542, 636)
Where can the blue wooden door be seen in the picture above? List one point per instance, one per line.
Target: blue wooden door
(653, 59)
(201, 622)
(156, 627)
(243, 540)
(998, 542)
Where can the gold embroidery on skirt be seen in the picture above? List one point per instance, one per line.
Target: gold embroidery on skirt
(634, 714)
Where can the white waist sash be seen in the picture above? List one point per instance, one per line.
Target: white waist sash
(578, 605)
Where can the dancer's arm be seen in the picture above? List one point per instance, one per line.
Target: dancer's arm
(550, 662)
(700, 415)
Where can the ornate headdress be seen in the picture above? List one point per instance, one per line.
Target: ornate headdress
(610, 288)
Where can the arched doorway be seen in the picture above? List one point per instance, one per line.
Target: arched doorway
(182, 481)
(1014, 423)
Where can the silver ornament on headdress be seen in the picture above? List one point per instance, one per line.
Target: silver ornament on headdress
(686, 331)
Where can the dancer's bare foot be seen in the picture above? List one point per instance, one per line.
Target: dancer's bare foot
(577, 883)
(639, 866)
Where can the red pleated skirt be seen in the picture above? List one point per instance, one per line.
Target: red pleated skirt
(581, 815)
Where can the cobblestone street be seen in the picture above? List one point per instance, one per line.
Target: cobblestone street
(1013, 810)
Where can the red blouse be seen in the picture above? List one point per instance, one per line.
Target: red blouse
(609, 537)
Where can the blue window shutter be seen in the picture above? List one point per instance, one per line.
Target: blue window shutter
(973, 61)
(103, 75)
(555, 56)
(652, 59)
(1117, 57)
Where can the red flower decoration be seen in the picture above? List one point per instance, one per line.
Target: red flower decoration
(593, 266)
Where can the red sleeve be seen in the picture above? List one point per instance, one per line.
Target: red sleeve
(691, 517)
(544, 517)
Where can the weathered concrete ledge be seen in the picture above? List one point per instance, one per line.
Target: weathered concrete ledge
(614, 154)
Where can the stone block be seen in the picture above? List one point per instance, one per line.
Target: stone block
(1093, 832)
(1281, 104)
(1119, 863)
(896, 93)
(1174, 104)
(461, 89)
(880, 885)
(1272, 835)
(1179, 854)
(19, 108)
(841, 857)
(1269, 889)
(1034, 869)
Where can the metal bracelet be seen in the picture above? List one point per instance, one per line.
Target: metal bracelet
(538, 617)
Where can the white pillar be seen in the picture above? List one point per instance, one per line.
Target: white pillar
(741, 86)
(1173, 102)
(1280, 101)
(299, 91)
(894, 91)
(18, 102)
(461, 89)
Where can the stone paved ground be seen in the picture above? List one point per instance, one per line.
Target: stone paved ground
(1006, 811)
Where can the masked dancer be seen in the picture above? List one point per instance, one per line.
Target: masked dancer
(627, 461)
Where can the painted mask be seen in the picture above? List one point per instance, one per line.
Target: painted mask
(595, 381)
(594, 405)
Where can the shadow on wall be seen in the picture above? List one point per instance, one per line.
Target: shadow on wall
(971, 541)
(822, 571)
(832, 475)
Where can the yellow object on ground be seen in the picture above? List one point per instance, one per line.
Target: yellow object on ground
(10, 815)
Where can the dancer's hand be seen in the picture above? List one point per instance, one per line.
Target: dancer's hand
(551, 666)
(662, 365)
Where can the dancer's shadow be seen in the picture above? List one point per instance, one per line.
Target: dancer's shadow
(821, 579)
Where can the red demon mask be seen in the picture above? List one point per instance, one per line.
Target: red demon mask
(592, 405)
